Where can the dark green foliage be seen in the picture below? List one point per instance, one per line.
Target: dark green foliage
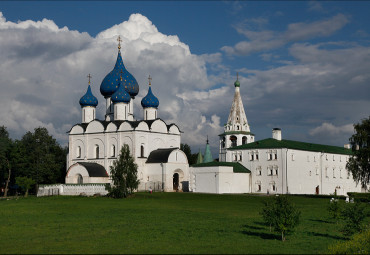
(334, 208)
(359, 163)
(353, 215)
(359, 244)
(192, 158)
(123, 174)
(25, 183)
(280, 214)
(360, 197)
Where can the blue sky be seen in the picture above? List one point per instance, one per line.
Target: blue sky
(304, 65)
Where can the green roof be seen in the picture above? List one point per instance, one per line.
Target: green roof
(237, 167)
(235, 133)
(271, 143)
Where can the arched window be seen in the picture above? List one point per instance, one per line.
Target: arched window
(223, 142)
(142, 151)
(78, 152)
(96, 151)
(80, 179)
(244, 140)
(233, 141)
(113, 150)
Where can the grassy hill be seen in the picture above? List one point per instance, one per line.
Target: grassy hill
(158, 223)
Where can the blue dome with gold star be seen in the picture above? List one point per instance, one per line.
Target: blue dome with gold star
(150, 100)
(111, 81)
(88, 99)
(121, 95)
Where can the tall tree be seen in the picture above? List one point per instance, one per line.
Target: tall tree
(5, 167)
(25, 183)
(359, 163)
(192, 158)
(123, 174)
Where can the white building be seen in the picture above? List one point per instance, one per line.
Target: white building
(95, 144)
(272, 165)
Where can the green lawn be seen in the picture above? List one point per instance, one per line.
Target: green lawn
(158, 223)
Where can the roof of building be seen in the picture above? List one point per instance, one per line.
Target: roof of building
(150, 100)
(237, 167)
(236, 133)
(110, 83)
(94, 169)
(207, 154)
(160, 155)
(271, 143)
(199, 158)
(88, 99)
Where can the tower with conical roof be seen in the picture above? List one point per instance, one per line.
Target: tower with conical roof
(88, 105)
(236, 130)
(207, 154)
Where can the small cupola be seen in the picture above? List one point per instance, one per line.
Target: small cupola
(88, 104)
(150, 104)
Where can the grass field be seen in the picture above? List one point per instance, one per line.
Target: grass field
(158, 223)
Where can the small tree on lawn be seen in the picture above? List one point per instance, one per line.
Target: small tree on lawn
(353, 216)
(334, 208)
(281, 214)
(123, 174)
(25, 182)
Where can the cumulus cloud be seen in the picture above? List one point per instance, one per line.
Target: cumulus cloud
(44, 68)
(328, 129)
(263, 40)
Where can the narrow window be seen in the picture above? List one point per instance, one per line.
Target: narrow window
(276, 171)
(113, 150)
(252, 157)
(240, 157)
(275, 155)
(142, 151)
(78, 152)
(256, 156)
(96, 151)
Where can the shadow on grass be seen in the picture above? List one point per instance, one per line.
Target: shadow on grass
(327, 236)
(321, 221)
(251, 230)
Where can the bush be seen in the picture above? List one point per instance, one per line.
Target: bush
(353, 215)
(359, 244)
(362, 197)
(334, 209)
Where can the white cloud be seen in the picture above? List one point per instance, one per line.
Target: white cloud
(267, 40)
(328, 129)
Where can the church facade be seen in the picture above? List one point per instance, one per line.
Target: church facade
(94, 144)
(272, 165)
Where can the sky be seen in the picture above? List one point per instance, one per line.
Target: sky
(304, 66)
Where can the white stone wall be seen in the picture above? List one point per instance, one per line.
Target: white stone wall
(295, 171)
(71, 190)
(219, 180)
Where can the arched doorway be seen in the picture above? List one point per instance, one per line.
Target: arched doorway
(233, 140)
(175, 181)
(80, 179)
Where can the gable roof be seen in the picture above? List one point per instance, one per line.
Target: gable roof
(94, 169)
(160, 155)
(237, 167)
(271, 143)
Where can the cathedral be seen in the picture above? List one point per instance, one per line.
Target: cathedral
(94, 144)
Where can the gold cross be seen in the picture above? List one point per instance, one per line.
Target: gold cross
(89, 76)
(119, 42)
(150, 79)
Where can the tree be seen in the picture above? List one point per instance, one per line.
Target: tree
(353, 216)
(334, 208)
(123, 174)
(359, 163)
(281, 214)
(5, 168)
(192, 158)
(25, 182)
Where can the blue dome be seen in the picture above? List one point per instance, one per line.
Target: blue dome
(121, 95)
(150, 100)
(111, 81)
(88, 99)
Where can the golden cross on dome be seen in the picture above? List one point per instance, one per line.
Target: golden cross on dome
(119, 42)
(150, 79)
(89, 76)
